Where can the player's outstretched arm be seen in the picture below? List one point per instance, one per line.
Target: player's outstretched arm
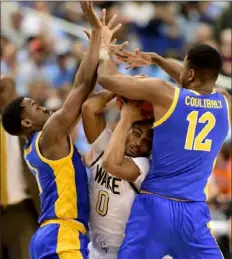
(154, 90)
(92, 109)
(59, 124)
(114, 160)
(140, 58)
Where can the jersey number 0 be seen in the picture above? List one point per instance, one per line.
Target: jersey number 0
(102, 203)
(199, 142)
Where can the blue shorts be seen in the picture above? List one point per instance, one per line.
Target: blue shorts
(158, 226)
(58, 241)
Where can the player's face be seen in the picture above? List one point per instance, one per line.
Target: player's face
(187, 75)
(34, 116)
(139, 141)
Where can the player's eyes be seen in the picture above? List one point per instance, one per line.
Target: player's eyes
(136, 134)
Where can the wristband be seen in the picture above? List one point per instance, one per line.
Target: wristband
(104, 53)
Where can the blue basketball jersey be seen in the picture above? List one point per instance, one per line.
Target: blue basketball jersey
(186, 143)
(62, 183)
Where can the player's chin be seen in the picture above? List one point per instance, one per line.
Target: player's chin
(128, 153)
(133, 154)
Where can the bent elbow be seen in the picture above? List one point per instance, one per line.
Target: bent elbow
(90, 107)
(118, 172)
(109, 167)
(86, 106)
(104, 80)
(132, 178)
(106, 165)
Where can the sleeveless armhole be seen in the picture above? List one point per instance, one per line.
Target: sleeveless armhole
(48, 161)
(170, 110)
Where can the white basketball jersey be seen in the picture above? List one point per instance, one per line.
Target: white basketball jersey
(110, 198)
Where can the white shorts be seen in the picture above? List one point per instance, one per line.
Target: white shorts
(95, 254)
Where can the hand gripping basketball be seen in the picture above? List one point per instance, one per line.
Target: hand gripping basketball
(147, 109)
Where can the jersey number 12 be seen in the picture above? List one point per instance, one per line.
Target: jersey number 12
(199, 142)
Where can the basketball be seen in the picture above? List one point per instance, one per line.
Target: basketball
(146, 107)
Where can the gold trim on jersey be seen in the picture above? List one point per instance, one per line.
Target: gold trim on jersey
(174, 199)
(64, 173)
(228, 110)
(196, 93)
(27, 150)
(206, 189)
(48, 161)
(170, 110)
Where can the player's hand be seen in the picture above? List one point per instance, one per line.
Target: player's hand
(135, 59)
(90, 14)
(114, 48)
(108, 30)
(108, 49)
(131, 110)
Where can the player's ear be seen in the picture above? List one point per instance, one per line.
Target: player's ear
(191, 75)
(26, 123)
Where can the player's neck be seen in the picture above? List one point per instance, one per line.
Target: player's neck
(28, 136)
(206, 88)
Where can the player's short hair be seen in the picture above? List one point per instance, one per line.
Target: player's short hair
(205, 60)
(150, 122)
(11, 117)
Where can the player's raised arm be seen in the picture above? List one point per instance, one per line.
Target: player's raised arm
(114, 160)
(93, 116)
(153, 90)
(140, 58)
(59, 124)
(92, 109)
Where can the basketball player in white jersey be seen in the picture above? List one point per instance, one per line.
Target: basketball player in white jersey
(110, 197)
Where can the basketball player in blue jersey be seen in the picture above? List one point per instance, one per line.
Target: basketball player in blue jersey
(55, 162)
(171, 216)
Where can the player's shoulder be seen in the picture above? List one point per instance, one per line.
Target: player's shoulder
(226, 95)
(163, 84)
(32, 140)
(102, 141)
(143, 164)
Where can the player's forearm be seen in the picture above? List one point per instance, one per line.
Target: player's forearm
(106, 64)
(72, 106)
(80, 75)
(129, 86)
(114, 160)
(115, 152)
(79, 78)
(90, 68)
(93, 116)
(91, 61)
(171, 67)
(96, 103)
(108, 76)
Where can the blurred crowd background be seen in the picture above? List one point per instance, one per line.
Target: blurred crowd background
(42, 46)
